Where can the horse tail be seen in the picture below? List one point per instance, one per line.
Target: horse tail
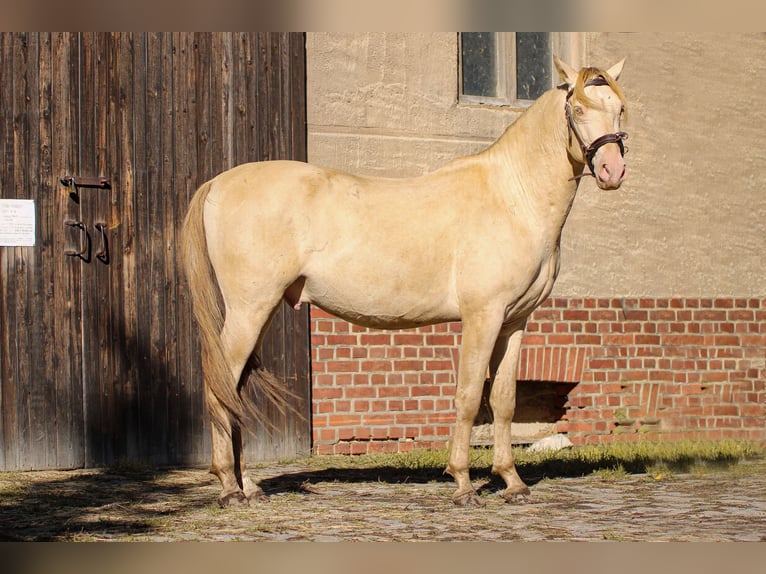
(224, 402)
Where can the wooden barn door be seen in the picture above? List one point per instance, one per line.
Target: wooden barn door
(110, 135)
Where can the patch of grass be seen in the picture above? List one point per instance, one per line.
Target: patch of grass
(609, 460)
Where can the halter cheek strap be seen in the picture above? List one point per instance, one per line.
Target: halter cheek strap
(589, 150)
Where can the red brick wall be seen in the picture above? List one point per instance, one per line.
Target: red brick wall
(654, 368)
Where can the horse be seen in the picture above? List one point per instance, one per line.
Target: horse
(475, 241)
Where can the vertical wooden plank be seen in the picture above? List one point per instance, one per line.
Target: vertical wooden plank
(165, 362)
(43, 186)
(21, 256)
(66, 270)
(34, 372)
(153, 310)
(147, 84)
(111, 211)
(202, 65)
(127, 84)
(189, 411)
(301, 333)
(8, 362)
(96, 289)
(297, 89)
(98, 293)
(240, 124)
(84, 123)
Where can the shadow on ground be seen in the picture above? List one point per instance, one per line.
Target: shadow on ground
(530, 472)
(97, 503)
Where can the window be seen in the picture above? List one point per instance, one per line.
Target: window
(509, 68)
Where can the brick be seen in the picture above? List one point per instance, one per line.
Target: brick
(575, 315)
(561, 339)
(684, 340)
(740, 315)
(724, 340)
(360, 406)
(709, 315)
(376, 365)
(375, 339)
(439, 365)
(423, 390)
(324, 393)
(343, 366)
(378, 419)
(643, 339)
(343, 420)
(606, 315)
(408, 365)
(360, 379)
(408, 339)
(360, 392)
(662, 315)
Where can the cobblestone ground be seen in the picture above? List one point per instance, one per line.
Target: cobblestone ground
(312, 504)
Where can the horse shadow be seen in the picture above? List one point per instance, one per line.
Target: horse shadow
(531, 472)
(302, 481)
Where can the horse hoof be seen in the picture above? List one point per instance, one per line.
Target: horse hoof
(236, 498)
(469, 498)
(257, 496)
(516, 496)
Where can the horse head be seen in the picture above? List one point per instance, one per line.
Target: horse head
(595, 106)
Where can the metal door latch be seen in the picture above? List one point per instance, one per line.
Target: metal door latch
(77, 182)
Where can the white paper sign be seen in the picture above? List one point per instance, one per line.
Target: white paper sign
(17, 222)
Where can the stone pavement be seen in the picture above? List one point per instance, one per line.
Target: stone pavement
(383, 505)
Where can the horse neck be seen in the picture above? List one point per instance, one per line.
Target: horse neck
(535, 167)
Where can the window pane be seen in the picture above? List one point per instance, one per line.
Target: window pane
(479, 60)
(533, 64)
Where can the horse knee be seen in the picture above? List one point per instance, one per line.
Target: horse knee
(502, 400)
(467, 407)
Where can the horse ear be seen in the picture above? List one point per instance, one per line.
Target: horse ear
(616, 70)
(567, 73)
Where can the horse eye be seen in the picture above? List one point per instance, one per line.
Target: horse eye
(579, 110)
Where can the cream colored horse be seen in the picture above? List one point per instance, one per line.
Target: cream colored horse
(475, 241)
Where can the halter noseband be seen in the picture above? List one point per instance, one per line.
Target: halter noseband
(589, 151)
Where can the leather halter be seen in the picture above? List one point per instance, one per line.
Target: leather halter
(589, 150)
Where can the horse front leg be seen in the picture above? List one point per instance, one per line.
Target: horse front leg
(477, 342)
(502, 399)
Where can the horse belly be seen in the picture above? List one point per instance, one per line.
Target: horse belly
(380, 302)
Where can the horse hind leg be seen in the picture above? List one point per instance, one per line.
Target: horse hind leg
(239, 338)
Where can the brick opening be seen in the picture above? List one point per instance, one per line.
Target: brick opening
(540, 407)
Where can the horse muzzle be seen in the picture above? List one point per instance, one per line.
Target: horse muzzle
(608, 166)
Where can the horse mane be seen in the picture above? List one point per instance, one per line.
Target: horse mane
(586, 75)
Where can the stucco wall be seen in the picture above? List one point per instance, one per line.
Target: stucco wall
(690, 220)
